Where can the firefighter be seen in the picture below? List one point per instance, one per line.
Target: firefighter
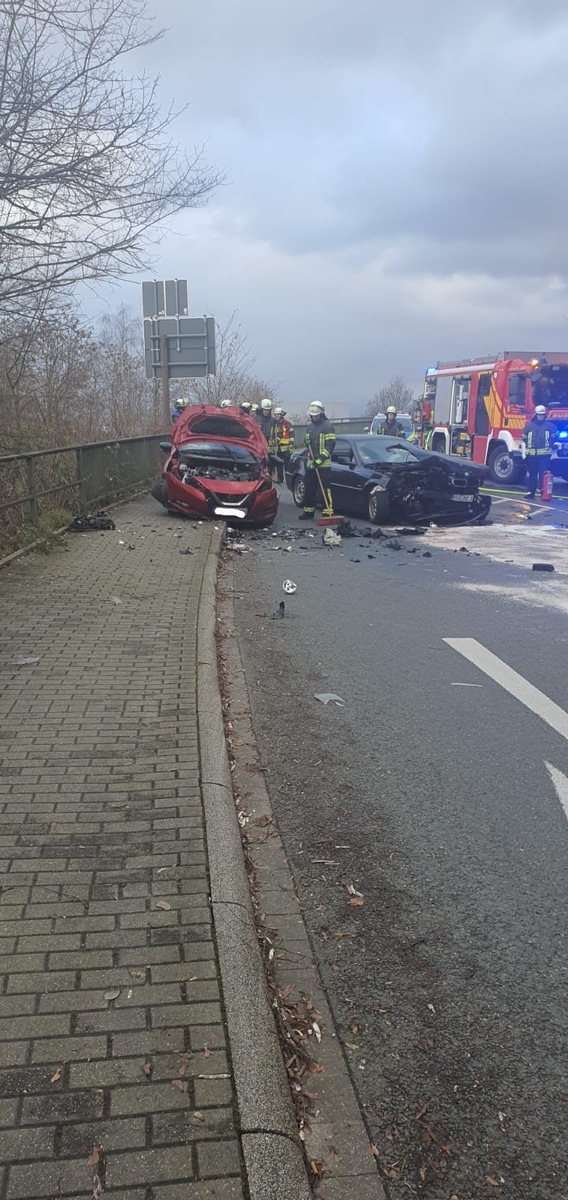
(391, 427)
(282, 441)
(538, 438)
(226, 404)
(319, 442)
(246, 408)
(179, 409)
(264, 418)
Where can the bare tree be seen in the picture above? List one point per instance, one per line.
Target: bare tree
(45, 367)
(63, 382)
(87, 167)
(395, 392)
(234, 380)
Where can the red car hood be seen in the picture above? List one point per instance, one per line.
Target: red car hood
(218, 424)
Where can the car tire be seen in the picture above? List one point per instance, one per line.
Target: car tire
(160, 492)
(298, 491)
(378, 507)
(503, 467)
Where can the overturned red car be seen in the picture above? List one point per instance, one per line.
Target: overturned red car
(218, 466)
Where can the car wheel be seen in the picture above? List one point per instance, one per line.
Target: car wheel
(299, 491)
(378, 507)
(502, 466)
(160, 492)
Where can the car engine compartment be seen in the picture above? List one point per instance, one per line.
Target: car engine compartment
(191, 467)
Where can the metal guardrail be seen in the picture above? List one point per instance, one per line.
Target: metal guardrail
(81, 477)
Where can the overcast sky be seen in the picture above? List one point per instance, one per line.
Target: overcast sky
(396, 181)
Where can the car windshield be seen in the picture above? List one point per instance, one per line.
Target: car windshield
(217, 450)
(383, 450)
(402, 419)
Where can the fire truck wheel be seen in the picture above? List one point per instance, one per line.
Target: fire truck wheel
(502, 466)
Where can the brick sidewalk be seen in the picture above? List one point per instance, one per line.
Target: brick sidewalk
(112, 1044)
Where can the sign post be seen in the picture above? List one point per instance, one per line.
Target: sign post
(176, 346)
(166, 409)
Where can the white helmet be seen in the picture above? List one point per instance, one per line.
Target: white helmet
(266, 405)
(226, 403)
(183, 403)
(279, 412)
(391, 409)
(540, 410)
(315, 409)
(246, 405)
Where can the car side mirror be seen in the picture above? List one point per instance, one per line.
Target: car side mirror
(352, 464)
(166, 447)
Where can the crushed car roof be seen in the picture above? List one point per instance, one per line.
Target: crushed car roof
(207, 421)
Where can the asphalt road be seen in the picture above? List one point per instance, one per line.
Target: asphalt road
(433, 799)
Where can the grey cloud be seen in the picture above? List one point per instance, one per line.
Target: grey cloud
(405, 166)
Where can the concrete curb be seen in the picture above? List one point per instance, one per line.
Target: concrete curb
(336, 1135)
(271, 1147)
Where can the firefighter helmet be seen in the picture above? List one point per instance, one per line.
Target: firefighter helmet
(266, 405)
(225, 404)
(540, 410)
(315, 409)
(391, 409)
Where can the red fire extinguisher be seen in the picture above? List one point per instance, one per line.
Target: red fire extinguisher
(547, 481)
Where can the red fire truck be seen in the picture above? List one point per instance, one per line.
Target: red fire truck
(478, 407)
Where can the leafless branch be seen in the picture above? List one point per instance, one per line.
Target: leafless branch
(88, 169)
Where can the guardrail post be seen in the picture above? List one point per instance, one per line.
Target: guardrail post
(30, 477)
(81, 492)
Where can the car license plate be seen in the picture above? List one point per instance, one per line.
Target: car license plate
(463, 499)
(225, 511)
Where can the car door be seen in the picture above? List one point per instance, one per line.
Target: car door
(346, 481)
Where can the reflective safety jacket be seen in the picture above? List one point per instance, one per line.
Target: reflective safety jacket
(538, 437)
(320, 440)
(282, 436)
(391, 429)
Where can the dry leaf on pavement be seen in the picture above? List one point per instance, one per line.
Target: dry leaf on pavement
(95, 1156)
(97, 1188)
(147, 1068)
(56, 1075)
(353, 890)
(374, 1151)
(206, 1052)
(493, 1182)
(164, 905)
(177, 1083)
(357, 902)
(113, 994)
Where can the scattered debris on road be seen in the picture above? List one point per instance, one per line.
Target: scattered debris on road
(289, 587)
(280, 612)
(331, 538)
(327, 697)
(542, 567)
(98, 521)
(27, 662)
